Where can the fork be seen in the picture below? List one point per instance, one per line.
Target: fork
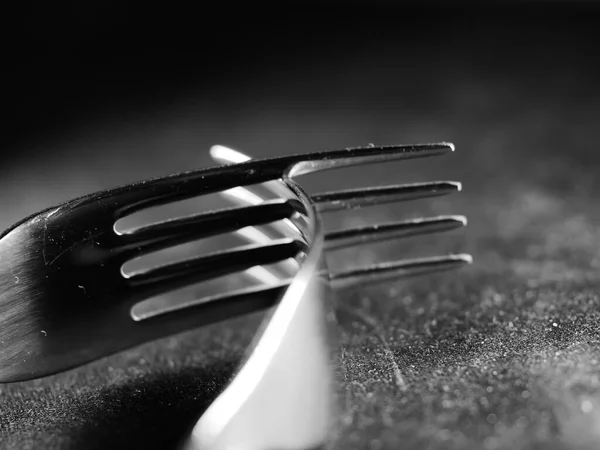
(357, 198)
(284, 395)
(66, 301)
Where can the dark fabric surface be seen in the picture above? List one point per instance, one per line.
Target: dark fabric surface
(503, 354)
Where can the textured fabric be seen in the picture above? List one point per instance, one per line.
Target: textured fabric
(504, 354)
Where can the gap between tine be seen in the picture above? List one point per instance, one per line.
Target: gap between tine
(168, 233)
(155, 281)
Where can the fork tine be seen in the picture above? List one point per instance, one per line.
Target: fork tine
(317, 162)
(150, 282)
(178, 231)
(352, 156)
(397, 269)
(355, 236)
(336, 200)
(219, 307)
(124, 200)
(211, 309)
(359, 197)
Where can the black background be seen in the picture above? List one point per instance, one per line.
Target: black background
(70, 63)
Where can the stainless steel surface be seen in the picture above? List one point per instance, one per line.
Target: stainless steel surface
(284, 395)
(64, 299)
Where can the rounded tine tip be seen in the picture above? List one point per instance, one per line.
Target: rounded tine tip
(459, 218)
(464, 257)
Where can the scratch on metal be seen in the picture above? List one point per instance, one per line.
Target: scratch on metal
(372, 323)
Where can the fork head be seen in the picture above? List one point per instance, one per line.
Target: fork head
(358, 198)
(284, 395)
(64, 297)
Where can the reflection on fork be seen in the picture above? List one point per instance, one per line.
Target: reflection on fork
(283, 396)
(64, 276)
(66, 298)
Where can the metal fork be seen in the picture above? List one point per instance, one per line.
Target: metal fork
(284, 396)
(65, 301)
(328, 202)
